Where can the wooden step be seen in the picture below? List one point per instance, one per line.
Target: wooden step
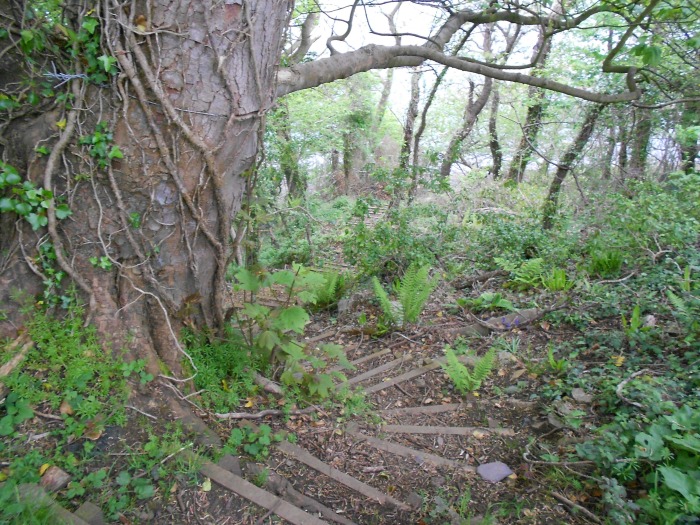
(378, 370)
(421, 410)
(355, 484)
(418, 455)
(453, 431)
(263, 498)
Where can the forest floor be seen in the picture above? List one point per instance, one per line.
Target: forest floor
(408, 452)
(404, 451)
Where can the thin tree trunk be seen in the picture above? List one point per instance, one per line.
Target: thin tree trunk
(611, 140)
(535, 112)
(494, 143)
(405, 154)
(566, 164)
(471, 114)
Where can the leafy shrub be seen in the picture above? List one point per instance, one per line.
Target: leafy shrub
(405, 236)
(487, 301)
(269, 332)
(664, 455)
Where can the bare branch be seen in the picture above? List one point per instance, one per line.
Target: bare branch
(325, 70)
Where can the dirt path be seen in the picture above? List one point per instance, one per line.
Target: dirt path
(415, 457)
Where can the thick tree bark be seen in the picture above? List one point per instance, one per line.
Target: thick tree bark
(566, 164)
(187, 115)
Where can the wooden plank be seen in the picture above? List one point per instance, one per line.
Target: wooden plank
(426, 409)
(454, 431)
(37, 497)
(355, 484)
(416, 372)
(361, 360)
(378, 370)
(265, 499)
(418, 455)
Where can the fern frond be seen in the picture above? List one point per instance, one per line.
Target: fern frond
(457, 372)
(679, 304)
(414, 290)
(384, 301)
(483, 367)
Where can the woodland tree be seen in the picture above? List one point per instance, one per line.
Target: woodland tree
(147, 139)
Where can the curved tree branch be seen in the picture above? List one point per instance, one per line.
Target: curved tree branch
(312, 74)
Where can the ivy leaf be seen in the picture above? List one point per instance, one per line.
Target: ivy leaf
(283, 277)
(293, 318)
(267, 340)
(63, 211)
(7, 426)
(255, 311)
(22, 208)
(107, 62)
(115, 153)
(90, 24)
(37, 221)
(24, 411)
(7, 204)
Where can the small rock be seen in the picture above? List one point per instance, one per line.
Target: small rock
(437, 481)
(506, 357)
(580, 396)
(414, 500)
(555, 421)
(54, 479)
(494, 472)
(512, 389)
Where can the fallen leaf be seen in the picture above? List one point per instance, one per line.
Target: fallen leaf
(250, 402)
(173, 489)
(480, 434)
(61, 124)
(517, 374)
(43, 468)
(502, 372)
(428, 400)
(617, 360)
(206, 485)
(65, 408)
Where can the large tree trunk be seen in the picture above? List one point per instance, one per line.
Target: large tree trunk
(566, 164)
(187, 114)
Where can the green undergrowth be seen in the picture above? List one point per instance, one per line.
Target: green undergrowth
(61, 403)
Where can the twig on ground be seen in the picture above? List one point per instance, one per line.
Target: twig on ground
(142, 412)
(575, 506)
(267, 412)
(618, 390)
(611, 281)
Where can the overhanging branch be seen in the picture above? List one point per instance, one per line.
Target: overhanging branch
(325, 70)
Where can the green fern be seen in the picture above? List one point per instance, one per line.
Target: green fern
(328, 293)
(412, 293)
(464, 379)
(414, 290)
(391, 309)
